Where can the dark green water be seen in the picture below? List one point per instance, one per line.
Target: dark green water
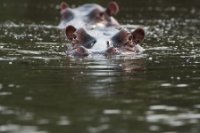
(44, 91)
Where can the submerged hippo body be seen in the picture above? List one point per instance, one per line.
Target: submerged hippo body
(109, 41)
(88, 15)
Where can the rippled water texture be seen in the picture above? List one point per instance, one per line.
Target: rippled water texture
(44, 91)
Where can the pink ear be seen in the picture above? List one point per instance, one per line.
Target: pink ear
(112, 8)
(138, 35)
(69, 31)
(63, 6)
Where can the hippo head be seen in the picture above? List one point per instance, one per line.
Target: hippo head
(85, 42)
(92, 14)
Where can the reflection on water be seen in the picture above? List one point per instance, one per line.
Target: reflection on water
(19, 129)
(44, 91)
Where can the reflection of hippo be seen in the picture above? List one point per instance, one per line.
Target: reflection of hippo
(88, 15)
(104, 41)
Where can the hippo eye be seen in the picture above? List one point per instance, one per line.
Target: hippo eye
(130, 38)
(74, 36)
(137, 41)
(101, 14)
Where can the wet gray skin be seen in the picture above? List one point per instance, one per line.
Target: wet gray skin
(89, 15)
(104, 41)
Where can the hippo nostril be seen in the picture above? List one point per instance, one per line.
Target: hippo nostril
(108, 44)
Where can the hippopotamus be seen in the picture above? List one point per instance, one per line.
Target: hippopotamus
(89, 15)
(92, 29)
(106, 41)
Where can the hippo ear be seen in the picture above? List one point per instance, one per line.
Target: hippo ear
(112, 8)
(138, 35)
(69, 31)
(63, 6)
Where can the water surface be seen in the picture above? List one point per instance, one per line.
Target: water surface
(44, 91)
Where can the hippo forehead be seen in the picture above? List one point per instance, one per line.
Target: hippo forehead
(83, 10)
(87, 8)
(102, 37)
(103, 34)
